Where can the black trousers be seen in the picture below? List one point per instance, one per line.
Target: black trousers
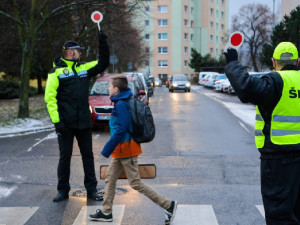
(65, 142)
(280, 188)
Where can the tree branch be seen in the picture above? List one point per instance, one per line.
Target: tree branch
(11, 18)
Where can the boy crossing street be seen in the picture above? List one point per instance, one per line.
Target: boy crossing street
(125, 151)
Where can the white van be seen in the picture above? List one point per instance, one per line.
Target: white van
(202, 76)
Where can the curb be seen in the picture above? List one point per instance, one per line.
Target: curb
(28, 131)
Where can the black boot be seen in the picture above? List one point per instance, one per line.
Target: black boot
(95, 196)
(61, 196)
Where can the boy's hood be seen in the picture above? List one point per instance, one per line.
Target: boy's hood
(122, 95)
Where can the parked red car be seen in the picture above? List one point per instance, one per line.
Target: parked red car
(99, 100)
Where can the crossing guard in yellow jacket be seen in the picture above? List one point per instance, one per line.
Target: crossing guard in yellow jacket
(66, 95)
(277, 129)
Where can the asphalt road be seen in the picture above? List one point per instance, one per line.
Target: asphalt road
(205, 160)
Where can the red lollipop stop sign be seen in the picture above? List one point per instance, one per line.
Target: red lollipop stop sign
(235, 41)
(97, 17)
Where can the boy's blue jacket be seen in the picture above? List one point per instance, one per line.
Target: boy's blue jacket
(121, 143)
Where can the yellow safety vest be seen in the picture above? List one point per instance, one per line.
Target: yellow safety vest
(285, 120)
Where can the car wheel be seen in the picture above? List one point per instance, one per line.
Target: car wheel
(189, 90)
(170, 90)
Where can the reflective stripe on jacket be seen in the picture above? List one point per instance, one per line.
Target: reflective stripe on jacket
(285, 119)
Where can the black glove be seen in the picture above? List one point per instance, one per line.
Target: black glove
(102, 38)
(59, 128)
(231, 55)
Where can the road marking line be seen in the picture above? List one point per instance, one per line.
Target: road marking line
(16, 215)
(261, 210)
(49, 136)
(82, 218)
(195, 215)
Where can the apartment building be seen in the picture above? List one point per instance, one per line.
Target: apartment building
(171, 28)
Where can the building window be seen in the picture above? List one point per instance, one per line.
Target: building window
(217, 13)
(185, 63)
(222, 26)
(163, 63)
(222, 39)
(222, 15)
(162, 36)
(185, 50)
(211, 25)
(147, 9)
(147, 63)
(217, 39)
(192, 37)
(211, 38)
(163, 23)
(192, 23)
(186, 8)
(163, 76)
(147, 50)
(162, 8)
(147, 37)
(147, 23)
(186, 23)
(217, 27)
(211, 1)
(211, 50)
(162, 50)
(223, 1)
(185, 36)
(211, 11)
(192, 10)
(217, 52)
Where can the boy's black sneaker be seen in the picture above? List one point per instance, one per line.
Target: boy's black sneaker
(170, 212)
(100, 216)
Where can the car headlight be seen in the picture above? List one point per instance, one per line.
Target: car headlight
(188, 84)
(174, 85)
(91, 110)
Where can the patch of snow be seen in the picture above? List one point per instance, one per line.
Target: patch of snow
(5, 192)
(25, 126)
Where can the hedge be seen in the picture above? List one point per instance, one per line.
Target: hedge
(10, 89)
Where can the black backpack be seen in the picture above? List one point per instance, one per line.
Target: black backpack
(143, 128)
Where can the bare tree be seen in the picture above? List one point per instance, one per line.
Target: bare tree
(36, 20)
(255, 22)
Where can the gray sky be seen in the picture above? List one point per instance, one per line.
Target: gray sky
(235, 5)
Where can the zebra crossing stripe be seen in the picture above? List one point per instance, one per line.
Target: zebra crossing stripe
(16, 215)
(261, 210)
(195, 215)
(82, 218)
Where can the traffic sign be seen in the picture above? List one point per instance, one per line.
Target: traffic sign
(97, 17)
(130, 65)
(235, 41)
(113, 59)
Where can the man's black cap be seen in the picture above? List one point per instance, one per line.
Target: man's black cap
(71, 45)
